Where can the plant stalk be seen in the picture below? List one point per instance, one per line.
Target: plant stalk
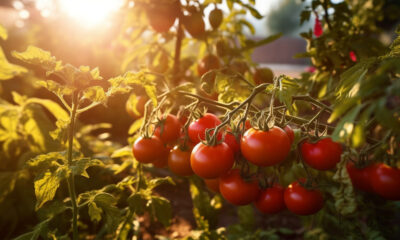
(71, 179)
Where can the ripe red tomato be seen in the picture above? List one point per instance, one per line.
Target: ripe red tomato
(215, 18)
(212, 184)
(322, 155)
(289, 131)
(265, 148)
(148, 150)
(232, 142)
(207, 63)
(385, 181)
(162, 15)
(140, 102)
(179, 162)
(236, 190)
(197, 129)
(171, 130)
(263, 75)
(211, 161)
(163, 161)
(302, 201)
(271, 200)
(194, 24)
(360, 177)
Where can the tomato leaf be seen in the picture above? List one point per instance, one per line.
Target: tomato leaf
(9, 70)
(161, 209)
(36, 56)
(46, 185)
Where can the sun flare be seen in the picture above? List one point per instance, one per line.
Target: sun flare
(90, 12)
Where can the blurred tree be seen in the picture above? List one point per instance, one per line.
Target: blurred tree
(285, 18)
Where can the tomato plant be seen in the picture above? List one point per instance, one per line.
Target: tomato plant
(74, 165)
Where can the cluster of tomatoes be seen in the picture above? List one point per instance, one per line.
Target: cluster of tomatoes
(162, 16)
(214, 163)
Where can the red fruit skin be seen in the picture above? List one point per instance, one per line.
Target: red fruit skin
(211, 161)
(271, 200)
(237, 191)
(385, 181)
(163, 15)
(318, 30)
(163, 161)
(265, 148)
(196, 130)
(353, 56)
(212, 184)
(179, 162)
(171, 131)
(360, 177)
(232, 142)
(148, 150)
(289, 131)
(301, 201)
(207, 63)
(311, 69)
(322, 155)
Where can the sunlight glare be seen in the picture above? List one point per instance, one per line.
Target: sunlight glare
(90, 12)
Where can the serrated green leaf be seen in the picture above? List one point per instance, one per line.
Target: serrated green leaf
(95, 94)
(107, 202)
(9, 70)
(79, 166)
(56, 88)
(46, 185)
(155, 182)
(161, 210)
(137, 203)
(35, 234)
(94, 212)
(344, 196)
(55, 109)
(45, 161)
(36, 56)
(122, 152)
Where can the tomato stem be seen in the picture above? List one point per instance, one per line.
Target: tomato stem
(71, 179)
